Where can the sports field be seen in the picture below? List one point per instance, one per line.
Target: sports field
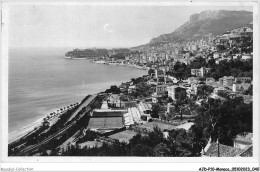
(123, 136)
(106, 122)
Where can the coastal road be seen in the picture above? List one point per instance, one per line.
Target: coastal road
(33, 148)
(84, 104)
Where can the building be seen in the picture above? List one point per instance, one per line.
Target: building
(170, 109)
(127, 58)
(192, 80)
(247, 56)
(220, 81)
(216, 55)
(104, 105)
(226, 80)
(108, 112)
(192, 91)
(194, 47)
(217, 91)
(240, 88)
(210, 80)
(145, 108)
(159, 73)
(248, 152)
(161, 90)
(160, 80)
(200, 72)
(243, 79)
(155, 99)
(114, 100)
(215, 149)
(131, 89)
(176, 93)
(243, 140)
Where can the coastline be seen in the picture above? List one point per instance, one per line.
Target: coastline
(93, 89)
(15, 135)
(125, 65)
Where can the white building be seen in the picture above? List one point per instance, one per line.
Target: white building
(240, 87)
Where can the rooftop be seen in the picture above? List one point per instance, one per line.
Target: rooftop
(248, 152)
(145, 106)
(114, 97)
(224, 150)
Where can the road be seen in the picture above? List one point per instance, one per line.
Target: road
(81, 106)
(32, 148)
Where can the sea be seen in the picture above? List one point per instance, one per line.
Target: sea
(41, 80)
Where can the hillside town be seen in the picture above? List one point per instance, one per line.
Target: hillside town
(196, 100)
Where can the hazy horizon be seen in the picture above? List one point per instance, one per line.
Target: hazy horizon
(89, 26)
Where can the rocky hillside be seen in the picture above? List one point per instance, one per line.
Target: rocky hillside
(206, 23)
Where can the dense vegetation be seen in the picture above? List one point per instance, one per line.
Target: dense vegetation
(233, 67)
(88, 136)
(217, 119)
(142, 89)
(223, 120)
(153, 144)
(77, 53)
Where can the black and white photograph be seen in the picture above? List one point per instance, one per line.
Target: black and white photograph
(129, 80)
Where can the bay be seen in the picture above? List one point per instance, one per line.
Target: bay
(41, 80)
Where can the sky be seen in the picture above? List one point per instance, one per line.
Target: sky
(97, 26)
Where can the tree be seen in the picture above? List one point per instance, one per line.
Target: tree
(133, 80)
(204, 91)
(249, 91)
(222, 120)
(220, 47)
(113, 89)
(142, 150)
(162, 150)
(150, 72)
(198, 63)
(155, 111)
(180, 143)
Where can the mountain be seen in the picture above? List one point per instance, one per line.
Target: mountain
(205, 24)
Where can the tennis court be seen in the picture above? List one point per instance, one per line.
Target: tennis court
(106, 122)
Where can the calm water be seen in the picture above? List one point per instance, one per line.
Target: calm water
(41, 81)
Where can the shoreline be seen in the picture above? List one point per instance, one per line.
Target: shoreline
(17, 134)
(125, 65)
